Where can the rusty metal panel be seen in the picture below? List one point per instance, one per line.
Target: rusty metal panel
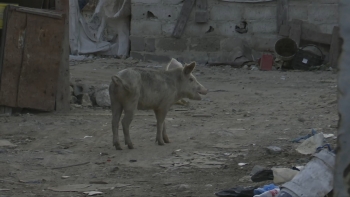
(41, 62)
(12, 57)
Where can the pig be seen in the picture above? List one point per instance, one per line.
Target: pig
(145, 89)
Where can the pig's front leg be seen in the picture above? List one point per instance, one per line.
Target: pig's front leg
(160, 115)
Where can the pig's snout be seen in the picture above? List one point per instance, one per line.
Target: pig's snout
(203, 91)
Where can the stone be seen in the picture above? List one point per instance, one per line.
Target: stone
(184, 187)
(102, 96)
(274, 150)
(245, 179)
(73, 99)
(256, 169)
(85, 100)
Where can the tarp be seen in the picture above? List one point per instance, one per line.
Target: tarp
(87, 37)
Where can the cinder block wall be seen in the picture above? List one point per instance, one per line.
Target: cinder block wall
(153, 21)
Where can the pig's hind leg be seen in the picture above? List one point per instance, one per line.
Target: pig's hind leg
(129, 111)
(165, 136)
(117, 110)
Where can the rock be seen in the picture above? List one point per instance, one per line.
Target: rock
(73, 99)
(256, 169)
(246, 67)
(71, 90)
(301, 119)
(80, 89)
(6, 143)
(85, 100)
(274, 150)
(245, 179)
(102, 96)
(184, 187)
(253, 67)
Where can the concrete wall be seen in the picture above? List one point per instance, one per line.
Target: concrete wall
(153, 21)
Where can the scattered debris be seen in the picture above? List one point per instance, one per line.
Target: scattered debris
(73, 165)
(242, 164)
(282, 175)
(328, 135)
(245, 179)
(262, 175)
(265, 188)
(274, 150)
(266, 62)
(6, 143)
(86, 187)
(65, 177)
(93, 193)
(313, 132)
(256, 169)
(202, 115)
(87, 136)
(237, 192)
(183, 187)
(4, 190)
(132, 160)
(310, 145)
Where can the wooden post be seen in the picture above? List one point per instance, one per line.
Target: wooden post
(295, 31)
(183, 17)
(282, 13)
(335, 48)
(63, 92)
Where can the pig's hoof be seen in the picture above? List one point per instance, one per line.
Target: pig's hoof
(160, 142)
(130, 146)
(166, 140)
(117, 147)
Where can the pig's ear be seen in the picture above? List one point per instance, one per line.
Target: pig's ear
(189, 68)
(173, 64)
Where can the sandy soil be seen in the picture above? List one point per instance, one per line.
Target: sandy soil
(249, 111)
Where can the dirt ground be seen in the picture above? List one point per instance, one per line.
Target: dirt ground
(249, 111)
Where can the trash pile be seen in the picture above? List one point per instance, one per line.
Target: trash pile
(315, 179)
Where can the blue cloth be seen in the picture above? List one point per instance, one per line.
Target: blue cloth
(266, 188)
(313, 132)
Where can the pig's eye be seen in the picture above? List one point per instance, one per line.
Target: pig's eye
(191, 79)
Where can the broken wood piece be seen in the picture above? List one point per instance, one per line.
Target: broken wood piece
(201, 115)
(282, 13)
(73, 165)
(335, 49)
(295, 31)
(183, 17)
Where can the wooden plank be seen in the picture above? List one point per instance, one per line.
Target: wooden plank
(335, 48)
(295, 31)
(12, 58)
(282, 13)
(47, 13)
(183, 17)
(3, 38)
(314, 36)
(63, 92)
(284, 30)
(41, 61)
(308, 34)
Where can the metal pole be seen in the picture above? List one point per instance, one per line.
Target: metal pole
(342, 168)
